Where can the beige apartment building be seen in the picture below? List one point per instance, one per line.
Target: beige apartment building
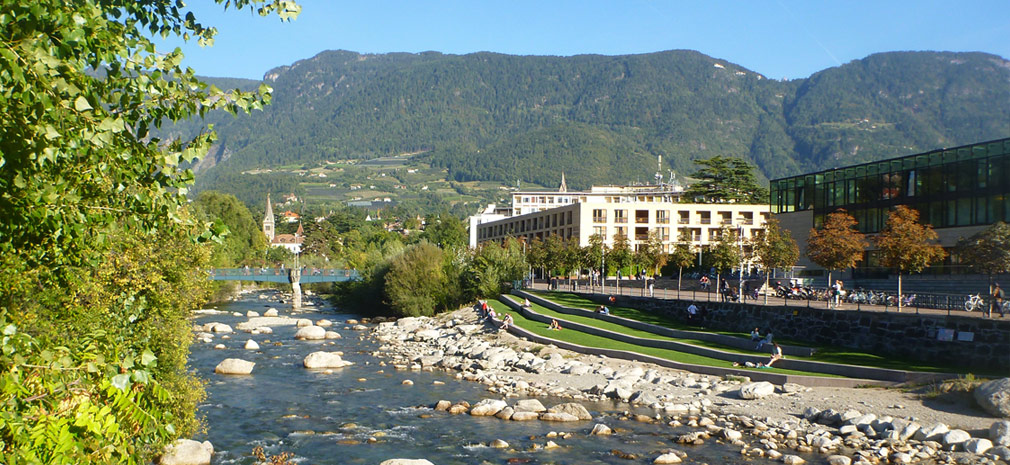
(632, 216)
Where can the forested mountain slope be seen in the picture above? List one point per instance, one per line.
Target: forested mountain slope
(488, 116)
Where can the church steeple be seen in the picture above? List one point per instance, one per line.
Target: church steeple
(564, 187)
(268, 220)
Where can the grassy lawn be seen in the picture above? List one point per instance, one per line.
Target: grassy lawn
(589, 340)
(822, 354)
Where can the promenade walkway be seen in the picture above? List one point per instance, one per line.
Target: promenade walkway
(667, 289)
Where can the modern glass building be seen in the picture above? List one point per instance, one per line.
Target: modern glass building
(956, 190)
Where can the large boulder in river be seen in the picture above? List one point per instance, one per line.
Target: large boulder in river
(757, 390)
(994, 397)
(999, 432)
(311, 333)
(487, 407)
(571, 408)
(187, 452)
(324, 360)
(234, 366)
(406, 462)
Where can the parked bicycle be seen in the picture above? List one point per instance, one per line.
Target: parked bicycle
(974, 302)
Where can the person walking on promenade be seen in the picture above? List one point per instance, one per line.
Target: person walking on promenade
(837, 292)
(997, 299)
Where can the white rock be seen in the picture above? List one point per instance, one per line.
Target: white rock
(994, 397)
(324, 360)
(572, 408)
(487, 407)
(303, 322)
(331, 335)
(499, 444)
(757, 390)
(234, 366)
(219, 328)
(667, 458)
(731, 434)
(310, 333)
(270, 312)
(220, 347)
(839, 460)
(324, 323)
(529, 405)
(555, 416)
(977, 445)
(931, 433)
(956, 437)
(406, 462)
(792, 460)
(187, 452)
(251, 345)
(251, 313)
(601, 430)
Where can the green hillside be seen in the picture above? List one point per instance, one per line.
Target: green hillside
(604, 119)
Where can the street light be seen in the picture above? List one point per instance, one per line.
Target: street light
(740, 281)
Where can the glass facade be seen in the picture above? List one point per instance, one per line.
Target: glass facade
(961, 186)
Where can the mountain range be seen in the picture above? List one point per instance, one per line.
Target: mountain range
(606, 119)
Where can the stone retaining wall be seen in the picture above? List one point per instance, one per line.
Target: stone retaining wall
(899, 335)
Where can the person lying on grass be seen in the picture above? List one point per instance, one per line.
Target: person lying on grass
(554, 325)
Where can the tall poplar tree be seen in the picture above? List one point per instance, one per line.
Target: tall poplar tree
(907, 245)
(837, 245)
(775, 249)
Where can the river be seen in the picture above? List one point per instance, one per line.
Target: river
(364, 413)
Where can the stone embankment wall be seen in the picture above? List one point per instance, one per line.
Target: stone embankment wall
(904, 336)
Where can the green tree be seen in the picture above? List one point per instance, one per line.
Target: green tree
(536, 254)
(244, 241)
(907, 245)
(554, 254)
(988, 251)
(99, 257)
(727, 179)
(725, 253)
(651, 255)
(775, 249)
(682, 256)
(445, 231)
(837, 245)
(493, 266)
(620, 254)
(416, 281)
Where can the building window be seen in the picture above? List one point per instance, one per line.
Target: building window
(600, 231)
(599, 215)
(747, 217)
(641, 216)
(569, 217)
(622, 231)
(664, 234)
(684, 217)
(620, 216)
(663, 216)
(725, 217)
(641, 233)
(706, 217)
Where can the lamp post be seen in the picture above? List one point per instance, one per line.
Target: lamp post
(740, 281)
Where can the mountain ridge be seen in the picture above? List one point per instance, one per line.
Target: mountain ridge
(604, 118)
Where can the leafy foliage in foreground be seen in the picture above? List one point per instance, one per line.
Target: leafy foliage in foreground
(99, 259)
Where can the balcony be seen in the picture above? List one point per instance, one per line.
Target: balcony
(705, 221)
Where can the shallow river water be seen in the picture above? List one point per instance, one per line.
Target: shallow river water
(330, 418)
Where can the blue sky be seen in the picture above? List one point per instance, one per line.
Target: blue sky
(778, 38)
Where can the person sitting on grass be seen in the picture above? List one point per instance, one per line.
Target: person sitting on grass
(603, 310)
(526, 303)
(776, 356)
(506, 322)
(755, 335)
(554, 325)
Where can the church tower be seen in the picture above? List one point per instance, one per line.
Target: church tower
(564, 187)
(268, 221)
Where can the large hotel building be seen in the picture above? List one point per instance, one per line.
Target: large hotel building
(632, 211)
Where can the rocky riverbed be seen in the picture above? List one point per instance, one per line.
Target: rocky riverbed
(843, 426)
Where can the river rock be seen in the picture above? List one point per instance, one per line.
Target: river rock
(324, 323)
(557, 416)
(303, 322)
(187, 452)
(529, 405)
(757, 390)
(406, 462)
(487, 407)
(324, 360)
(505, 413)
(792, 460)
(668, 458)
(331, 335)
(731, 434)
(994, 397)
(977, 445)
(251, 345)
(955, 438)
(442, 405)
(524, 416)
(310, 333)
(839, 460)
(999, 432)
(499, 444)
(1001, 452)
(931, 433)
(251, 313)
(218, 328)
(234, 366)
(263, 321)
(572, 408)
(601, 430)
(270, 312)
